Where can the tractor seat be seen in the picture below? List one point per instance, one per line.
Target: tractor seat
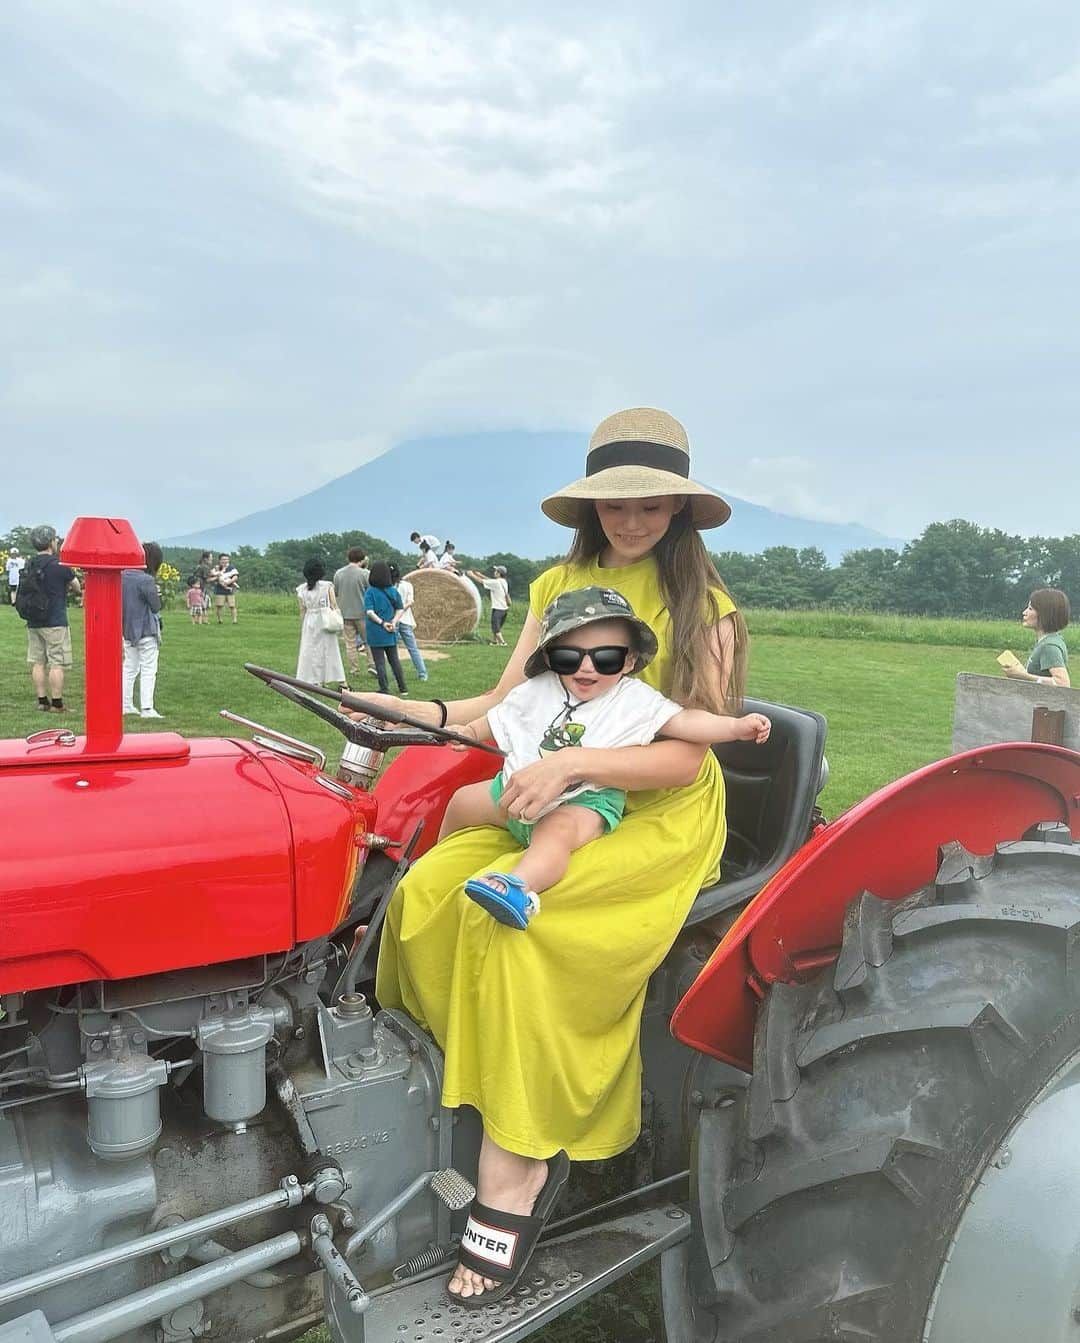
(771, 791)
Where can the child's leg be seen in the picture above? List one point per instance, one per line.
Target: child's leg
(470, 805)
(554, 838)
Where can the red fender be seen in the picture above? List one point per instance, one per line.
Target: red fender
(419, 783)
(887, 844)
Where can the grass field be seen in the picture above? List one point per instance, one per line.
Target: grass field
(885, 684)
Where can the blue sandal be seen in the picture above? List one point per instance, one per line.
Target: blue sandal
(514, 906)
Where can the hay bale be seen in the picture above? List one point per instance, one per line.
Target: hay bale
(446, 607)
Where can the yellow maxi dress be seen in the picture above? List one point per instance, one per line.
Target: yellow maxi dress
(540, 1027)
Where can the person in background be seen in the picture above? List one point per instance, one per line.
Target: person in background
(14, 567)
(226, 581)
(499, 591)
(419, 539)
(319, 659)
(428, 558)
(48, 649)
(383, 602)
(406, 621)
(204, 572)
(350, 584)
(448, 560)
(1047, 613)
(142, 632)
(196, 601)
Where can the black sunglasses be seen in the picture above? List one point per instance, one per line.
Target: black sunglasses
(565, 660)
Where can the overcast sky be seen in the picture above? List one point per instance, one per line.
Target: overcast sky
(246, 246)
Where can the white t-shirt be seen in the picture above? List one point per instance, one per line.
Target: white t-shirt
(433, 541)
(428, 560)
(14, 569)
(405, 592)
(500, 593)
(448, 561)
(533, 721)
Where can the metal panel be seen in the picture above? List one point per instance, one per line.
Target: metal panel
(562, 1274)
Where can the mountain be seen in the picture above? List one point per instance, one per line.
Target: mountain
(482, 491)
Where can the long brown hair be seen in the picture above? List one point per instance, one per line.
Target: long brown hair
(688, 583)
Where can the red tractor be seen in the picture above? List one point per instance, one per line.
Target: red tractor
(860, 1055)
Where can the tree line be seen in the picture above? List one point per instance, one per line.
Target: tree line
(954, 568)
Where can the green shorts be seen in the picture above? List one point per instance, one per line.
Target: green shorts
(606, 802)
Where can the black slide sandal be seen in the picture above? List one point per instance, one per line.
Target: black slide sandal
(499, 1245)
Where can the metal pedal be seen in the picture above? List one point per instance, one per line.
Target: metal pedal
(452, 1188)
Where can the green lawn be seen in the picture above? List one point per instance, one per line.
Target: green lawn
(888, 701)
(886, 694)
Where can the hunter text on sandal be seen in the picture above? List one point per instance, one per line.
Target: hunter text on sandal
(498, 1245)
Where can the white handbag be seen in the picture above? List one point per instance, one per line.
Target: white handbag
(331, 619)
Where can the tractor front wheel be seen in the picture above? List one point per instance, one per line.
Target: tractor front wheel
(905, 1163)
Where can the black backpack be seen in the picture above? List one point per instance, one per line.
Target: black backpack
(32, 598)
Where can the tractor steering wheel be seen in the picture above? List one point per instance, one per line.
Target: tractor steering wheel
(363, 732)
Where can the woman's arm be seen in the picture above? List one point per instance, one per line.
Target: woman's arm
(662, 764)
(1058, 675)
(151, 595)
(461, 711)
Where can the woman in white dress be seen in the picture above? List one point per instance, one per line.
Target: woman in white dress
(320, 652)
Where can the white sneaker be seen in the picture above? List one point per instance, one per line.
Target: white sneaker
(130, 711)
(151, 713)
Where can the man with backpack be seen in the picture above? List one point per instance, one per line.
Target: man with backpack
(42, 603)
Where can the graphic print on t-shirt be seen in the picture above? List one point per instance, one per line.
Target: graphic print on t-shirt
(560, 735)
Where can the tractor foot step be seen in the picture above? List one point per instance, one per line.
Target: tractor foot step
(561, 1275)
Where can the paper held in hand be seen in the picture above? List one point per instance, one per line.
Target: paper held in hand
(1008, 659)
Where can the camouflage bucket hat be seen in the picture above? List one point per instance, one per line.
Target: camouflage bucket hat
(586, 606)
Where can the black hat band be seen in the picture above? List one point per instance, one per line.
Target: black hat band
(632, 452)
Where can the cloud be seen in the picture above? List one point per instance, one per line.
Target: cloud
(254, 240)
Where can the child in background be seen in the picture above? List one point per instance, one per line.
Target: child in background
(580, 692)
(196, 602)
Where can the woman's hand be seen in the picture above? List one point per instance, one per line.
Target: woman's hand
(531, 789)
(390, 703)
(1018, 672)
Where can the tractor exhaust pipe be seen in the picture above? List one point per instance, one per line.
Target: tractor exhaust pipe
(101, 547)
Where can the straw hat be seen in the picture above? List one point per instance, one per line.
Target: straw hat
(637, 454)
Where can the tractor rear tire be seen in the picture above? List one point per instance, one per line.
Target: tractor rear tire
(880, 1093)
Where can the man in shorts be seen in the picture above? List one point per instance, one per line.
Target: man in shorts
(350, 584)
(225, 585)
(48, 648)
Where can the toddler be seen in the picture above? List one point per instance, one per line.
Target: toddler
(580, 691)
(195, 602)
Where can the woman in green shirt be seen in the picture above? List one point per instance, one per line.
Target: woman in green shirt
(1047, 613)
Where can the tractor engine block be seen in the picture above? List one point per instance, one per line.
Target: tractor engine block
(161, 1109)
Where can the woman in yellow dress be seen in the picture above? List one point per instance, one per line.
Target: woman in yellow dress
(540, 1029)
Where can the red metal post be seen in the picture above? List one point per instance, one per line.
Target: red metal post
(102, 547)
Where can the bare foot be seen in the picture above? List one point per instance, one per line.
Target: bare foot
(510, 1183)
